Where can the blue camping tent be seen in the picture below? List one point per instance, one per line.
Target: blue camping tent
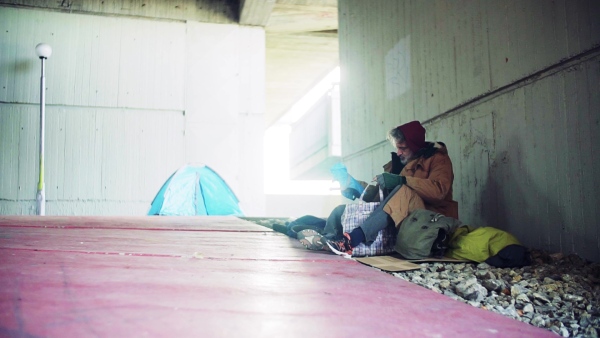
(195, 190)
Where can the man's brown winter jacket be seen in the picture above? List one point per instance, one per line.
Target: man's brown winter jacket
(431, 179)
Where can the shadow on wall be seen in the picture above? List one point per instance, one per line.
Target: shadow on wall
(24, 67)
(515, 200)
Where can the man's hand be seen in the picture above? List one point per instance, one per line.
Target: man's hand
(397, 165)
(390, 181)
(350, 193)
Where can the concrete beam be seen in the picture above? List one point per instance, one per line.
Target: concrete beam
(255, 12)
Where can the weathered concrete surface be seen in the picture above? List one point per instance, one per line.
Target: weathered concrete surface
(510, 87)
(169, 276)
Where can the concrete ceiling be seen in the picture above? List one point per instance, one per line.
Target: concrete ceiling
(301, 47)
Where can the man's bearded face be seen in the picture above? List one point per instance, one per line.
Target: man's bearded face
(404, 152)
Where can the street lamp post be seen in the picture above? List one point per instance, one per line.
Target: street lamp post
(43, 51)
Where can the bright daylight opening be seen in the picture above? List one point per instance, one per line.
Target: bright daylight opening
(277, 149)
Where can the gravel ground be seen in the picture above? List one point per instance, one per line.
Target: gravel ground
(557, 292)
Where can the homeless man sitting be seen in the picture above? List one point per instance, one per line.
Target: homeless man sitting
(419, 176)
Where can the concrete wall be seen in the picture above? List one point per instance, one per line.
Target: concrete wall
(129, 100)
(510, 86)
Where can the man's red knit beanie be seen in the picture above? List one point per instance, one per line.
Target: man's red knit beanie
(414, 134)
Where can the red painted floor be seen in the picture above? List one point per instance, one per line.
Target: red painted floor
(208, 277)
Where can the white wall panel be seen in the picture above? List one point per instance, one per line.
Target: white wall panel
(20, 65)
(152, 64)
(9, 151)
(129, 101)
(213, 90)
(100, 61)
(19, 151)
(252, 46)
(93, 63)
(92, 154)
(250, 166)
(211, 144)
(156, 142)
(70, 63)
(225, 106)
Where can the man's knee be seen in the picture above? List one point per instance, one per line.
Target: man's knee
(339, 209)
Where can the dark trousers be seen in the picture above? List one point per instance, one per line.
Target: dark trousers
(333, 226)
(377, 221)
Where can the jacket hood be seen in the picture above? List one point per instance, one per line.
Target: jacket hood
(432, 148)
(395, 166)
(414, 135)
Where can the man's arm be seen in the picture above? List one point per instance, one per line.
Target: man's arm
(434, 189)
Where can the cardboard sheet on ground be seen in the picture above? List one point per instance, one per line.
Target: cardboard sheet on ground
(396, 264)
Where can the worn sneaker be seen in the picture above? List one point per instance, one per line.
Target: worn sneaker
(340, 247)
(311, 239)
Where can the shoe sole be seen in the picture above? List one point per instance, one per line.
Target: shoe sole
(337, 252)
(311, 239)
